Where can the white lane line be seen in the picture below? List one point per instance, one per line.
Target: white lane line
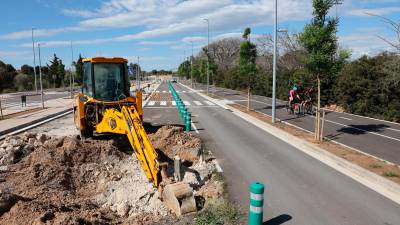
(344, 118)
(183, 91)
(197, 103)
(370, 132)
(393, 129)
(164, 91)
(186, 102)
(195, 128)
(163, 103)
(173, 103)
(209, 103)
(151, 103)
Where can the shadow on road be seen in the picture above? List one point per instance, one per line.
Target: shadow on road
(363, 129)
(150, 128)
(281, 219)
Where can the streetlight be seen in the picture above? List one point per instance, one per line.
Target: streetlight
(138, 74)
(208, 49)
(71, 78)
(34, 58)
(274, 64)
(191, 66)
(40, 72)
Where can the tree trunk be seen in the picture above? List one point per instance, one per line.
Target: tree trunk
(318, 114)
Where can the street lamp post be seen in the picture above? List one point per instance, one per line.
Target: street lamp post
(71, 78)
(40, 72)
(208, 52)
(34, 59)
(274, 65)
(191, 66)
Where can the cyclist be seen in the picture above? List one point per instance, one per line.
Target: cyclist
(294, 96)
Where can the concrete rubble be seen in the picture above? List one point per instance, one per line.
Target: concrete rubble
(95, 181)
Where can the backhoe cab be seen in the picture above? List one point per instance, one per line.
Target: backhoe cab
(105, 106)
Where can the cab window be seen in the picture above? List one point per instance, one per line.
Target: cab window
(87, 79)
(110, 82)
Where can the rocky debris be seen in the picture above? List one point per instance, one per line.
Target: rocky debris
(172, 141)
(65, 180)
(14, 148)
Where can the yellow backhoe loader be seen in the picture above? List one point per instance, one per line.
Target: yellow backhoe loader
(105, 105)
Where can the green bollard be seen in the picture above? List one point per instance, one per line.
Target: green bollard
(188, 122)
(256, 203)
(183, 117)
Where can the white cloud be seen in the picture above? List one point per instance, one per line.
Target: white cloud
(366, 42)
(374, 11)
(162, 18)
(156, 42)
(16, 54)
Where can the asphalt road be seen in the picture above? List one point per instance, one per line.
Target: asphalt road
(375, 137)
(299, 189)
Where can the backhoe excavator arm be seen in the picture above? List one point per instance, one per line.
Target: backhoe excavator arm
(128, 122)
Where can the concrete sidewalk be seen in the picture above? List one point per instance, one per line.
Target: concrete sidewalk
(52, 107)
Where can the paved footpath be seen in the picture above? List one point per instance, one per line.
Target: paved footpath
(52, 107)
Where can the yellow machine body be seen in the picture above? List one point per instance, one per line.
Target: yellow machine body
(105, 106)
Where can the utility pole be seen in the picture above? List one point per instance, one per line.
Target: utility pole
(191, 66)
(138, 74)
(208, 49)
(274, 65)
(40, 72)
(71, 78)
(34, 59)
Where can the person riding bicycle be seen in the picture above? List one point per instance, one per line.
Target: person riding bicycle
(294, 96)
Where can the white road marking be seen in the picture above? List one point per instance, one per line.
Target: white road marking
(173, 103)
(163, 103)
(183, 91)
(195, 128)
(197, 103)
(344, 118)
(186, 102)
(157, 91)
(151, 103)
(218, 167)
(209, 103)
(393, 129)
(164, 91)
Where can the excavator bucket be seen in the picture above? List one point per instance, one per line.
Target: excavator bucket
(179, 198)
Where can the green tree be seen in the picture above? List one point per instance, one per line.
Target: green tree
(320, 41)
(79, 69)
(7, 74)
(184, 69)
(23, 82)
(54, 71)
(247, 62)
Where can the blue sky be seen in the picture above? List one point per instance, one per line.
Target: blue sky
(161, 32)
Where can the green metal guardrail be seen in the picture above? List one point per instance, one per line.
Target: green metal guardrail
(183, 111)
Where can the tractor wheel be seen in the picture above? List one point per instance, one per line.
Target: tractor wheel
(86, 133)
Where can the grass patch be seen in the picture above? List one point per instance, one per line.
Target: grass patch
(390, 174)
(375, 166)
(219, 212)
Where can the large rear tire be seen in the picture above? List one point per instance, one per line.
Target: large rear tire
(86, 133)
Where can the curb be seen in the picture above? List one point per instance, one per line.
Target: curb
(34, 123)
(383, 186)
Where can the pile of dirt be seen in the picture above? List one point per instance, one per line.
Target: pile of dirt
(69, 181)
(172, 141)
(65, 180)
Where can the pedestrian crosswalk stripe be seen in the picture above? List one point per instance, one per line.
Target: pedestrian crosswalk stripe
(197, 103)
(157, 91)
(186, 102)
(164, 91)
(209, 103)
(163, 103)
(183, 91)
(173, 103)
(152, 103)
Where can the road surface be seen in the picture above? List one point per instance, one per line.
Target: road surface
(299, 189)
(375, 137)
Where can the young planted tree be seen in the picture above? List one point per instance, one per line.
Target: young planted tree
(247, 62)
(320, 41)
